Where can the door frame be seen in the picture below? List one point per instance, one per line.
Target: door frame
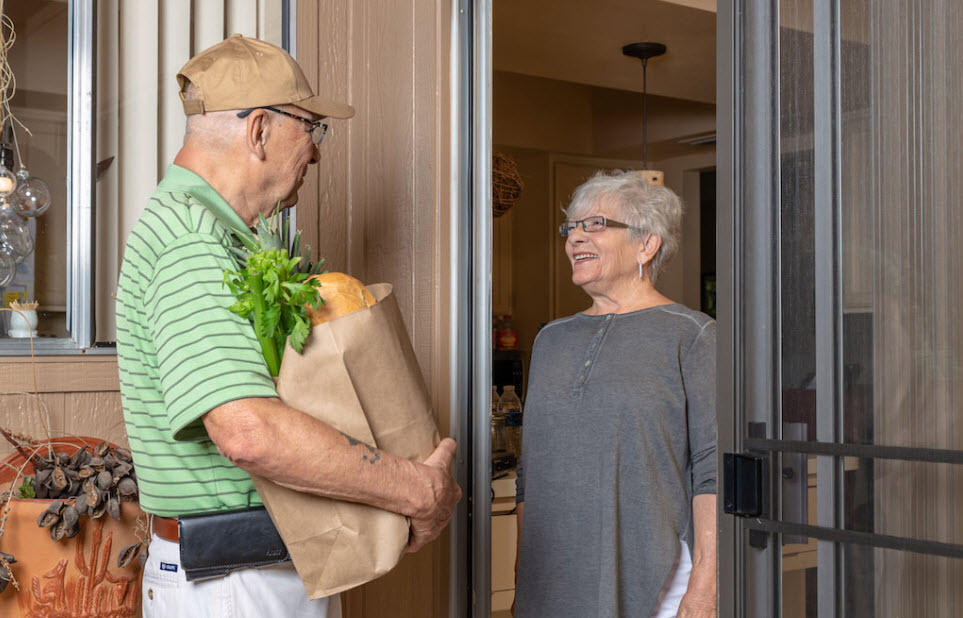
(470, 370)
(729, 542)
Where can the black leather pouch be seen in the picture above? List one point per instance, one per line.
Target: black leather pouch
(214, 544)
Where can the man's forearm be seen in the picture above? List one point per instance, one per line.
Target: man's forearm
(270, 439)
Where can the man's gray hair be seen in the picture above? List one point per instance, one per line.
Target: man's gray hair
(648, 208)
(217, 124)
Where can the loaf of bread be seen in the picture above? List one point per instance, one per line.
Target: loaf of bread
(342, 294)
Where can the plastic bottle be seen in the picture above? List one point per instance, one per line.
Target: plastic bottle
(503, 458)
(500, 445)
(510, 406)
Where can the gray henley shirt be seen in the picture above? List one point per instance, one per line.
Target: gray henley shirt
(619, 435)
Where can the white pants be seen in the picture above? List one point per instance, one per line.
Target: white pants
(267, 592)
(675, 585)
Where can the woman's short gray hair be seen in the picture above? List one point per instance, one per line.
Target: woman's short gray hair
(649, 209)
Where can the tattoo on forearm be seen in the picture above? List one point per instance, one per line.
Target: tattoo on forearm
(373, 454)
(351, 440)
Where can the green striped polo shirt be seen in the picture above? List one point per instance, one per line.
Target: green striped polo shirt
(180, 351)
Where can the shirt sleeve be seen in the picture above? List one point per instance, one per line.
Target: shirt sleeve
(206, 355)
(699, 378)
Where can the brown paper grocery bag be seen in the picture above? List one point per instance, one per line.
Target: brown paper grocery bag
(359, 374)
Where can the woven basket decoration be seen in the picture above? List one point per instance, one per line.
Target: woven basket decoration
(506, 184)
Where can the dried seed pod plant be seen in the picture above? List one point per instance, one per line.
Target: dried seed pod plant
(74, 485)
(80, 483)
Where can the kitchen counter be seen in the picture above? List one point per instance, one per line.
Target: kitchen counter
(504, 540)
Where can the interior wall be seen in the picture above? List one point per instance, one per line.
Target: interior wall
(617, 126)
(682, 278)
(541, 114)
(530, 255)
(376, 206)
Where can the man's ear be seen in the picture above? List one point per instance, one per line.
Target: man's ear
(256, 133)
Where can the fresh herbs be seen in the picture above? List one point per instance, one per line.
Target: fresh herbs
(273, 289)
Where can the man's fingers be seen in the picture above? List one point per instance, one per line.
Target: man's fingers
(443, 454)
(429, 524)
(419, 537)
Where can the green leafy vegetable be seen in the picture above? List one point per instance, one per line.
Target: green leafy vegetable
(273, 289)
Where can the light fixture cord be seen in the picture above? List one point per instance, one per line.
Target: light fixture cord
(645, 119)
(8, 81)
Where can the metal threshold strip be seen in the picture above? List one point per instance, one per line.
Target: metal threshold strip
(835, 535)
(863, 451)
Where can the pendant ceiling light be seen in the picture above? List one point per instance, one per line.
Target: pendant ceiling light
(644, 51)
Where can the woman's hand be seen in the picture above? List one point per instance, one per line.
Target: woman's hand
(700, 596)
(693, 606)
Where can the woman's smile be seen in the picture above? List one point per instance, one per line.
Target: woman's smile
(601, 259)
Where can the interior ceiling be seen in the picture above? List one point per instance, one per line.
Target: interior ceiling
(581, 41)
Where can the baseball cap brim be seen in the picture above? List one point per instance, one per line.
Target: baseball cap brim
(325, 107)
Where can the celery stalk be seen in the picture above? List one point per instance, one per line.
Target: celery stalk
(273, 290)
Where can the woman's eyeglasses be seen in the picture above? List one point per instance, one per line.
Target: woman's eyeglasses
(596, 223)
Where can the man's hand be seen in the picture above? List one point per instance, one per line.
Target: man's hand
(444, 492)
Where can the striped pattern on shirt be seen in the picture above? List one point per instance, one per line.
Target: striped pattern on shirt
(181, 353)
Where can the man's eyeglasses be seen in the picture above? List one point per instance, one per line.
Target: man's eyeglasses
(318, 129)
(591, 224)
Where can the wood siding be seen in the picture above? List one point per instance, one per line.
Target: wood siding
(376, 206)
(78, 396)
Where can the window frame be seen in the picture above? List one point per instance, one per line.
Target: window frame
(81, 135)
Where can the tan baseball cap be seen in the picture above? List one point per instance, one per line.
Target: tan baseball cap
(241, 73)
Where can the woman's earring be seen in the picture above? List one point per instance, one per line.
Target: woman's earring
(640, 271)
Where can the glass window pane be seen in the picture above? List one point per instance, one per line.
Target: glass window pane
(799, 482)
(878, 583)
(904, 498)
(39, 61)
(915, 500)
(799, 586)
(796, 216)
(902, 228)
(885, 583)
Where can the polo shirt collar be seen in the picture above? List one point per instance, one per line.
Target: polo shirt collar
(182, 180)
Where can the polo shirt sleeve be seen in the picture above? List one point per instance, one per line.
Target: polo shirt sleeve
(699, 377)
(206, 355)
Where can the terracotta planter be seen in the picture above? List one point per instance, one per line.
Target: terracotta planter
(76, 577)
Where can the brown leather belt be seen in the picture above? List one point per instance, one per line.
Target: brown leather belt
(165, 528)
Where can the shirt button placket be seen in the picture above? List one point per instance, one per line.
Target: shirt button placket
(592, 352)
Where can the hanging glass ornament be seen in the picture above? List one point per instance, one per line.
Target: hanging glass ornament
(8, 269)
(15, 238)
(8, 182)
(32, 195)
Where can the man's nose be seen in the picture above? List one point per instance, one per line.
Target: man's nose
(315, 153)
